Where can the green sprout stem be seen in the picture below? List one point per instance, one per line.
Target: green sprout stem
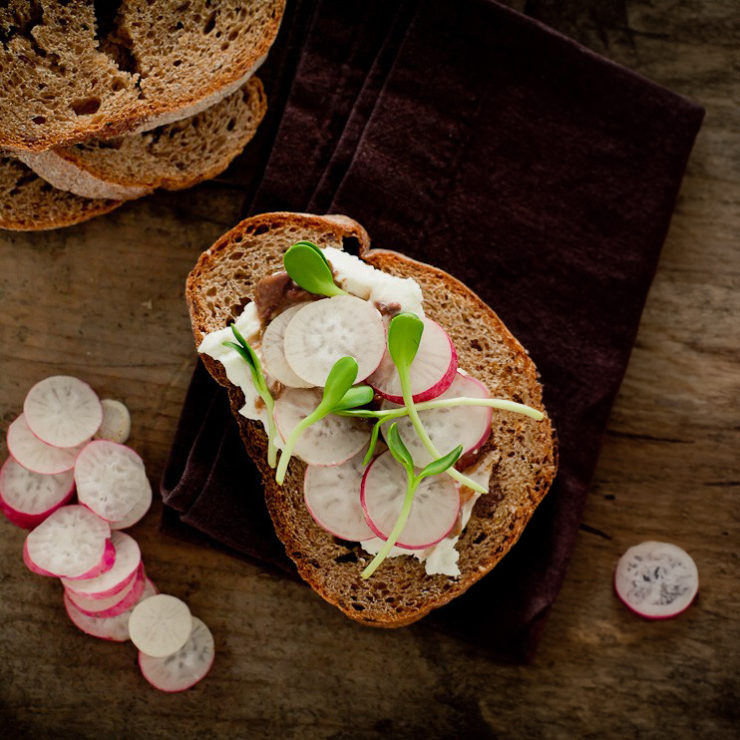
(502, 404)
(292, 441)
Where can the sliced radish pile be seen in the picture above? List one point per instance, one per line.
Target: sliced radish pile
(431, 373)
(469, 426)
(36, 455)
(114, 605)
(433, 512)
(331, 441)
(110, 479)
(656, 580)
(160, 626)
(116, 424)
(114, 581)
(71, 542)
(273, 352)
(62, 411)
(186, 667)
(332, 496)
(106, 628)
(137, 513)
(324, 331)
(28, 498)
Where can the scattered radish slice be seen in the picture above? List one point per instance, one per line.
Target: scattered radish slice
(62, 411)
(324, 331)
(273, 352)
(332, 495)
(186, 667)
(656, 580)
(431, 373)
(72, 542)
(35, 455)
(160, 625)
(114, 605)
(110, 479)
(28, 498)
(331, 441)
(116, 424)
(137, 513)
(114, 581)
(469, 426)
(433, 512)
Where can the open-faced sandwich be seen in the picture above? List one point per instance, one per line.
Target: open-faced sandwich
(398, 426)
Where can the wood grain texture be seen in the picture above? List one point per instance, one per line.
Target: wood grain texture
(104, 301)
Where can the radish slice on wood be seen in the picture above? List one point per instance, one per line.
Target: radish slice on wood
(35, 455)
(433, 512)
(186, 667)
(28, 498)
(110, 479)
(469, 426)
(330, 441)
(72, 542)
(656, 580)
(332, 495)
(137, 513)
(431, 373)
(160, 626)
(62, 411)
(273, 352)
(113, 582)
(116, 424)
(324, 331)
(114, 605)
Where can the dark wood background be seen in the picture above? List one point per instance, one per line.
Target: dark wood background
(104, 301)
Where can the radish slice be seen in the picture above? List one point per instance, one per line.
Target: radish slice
(469, 426)
(106, 628)
(656, 580)
(186, 667)
(160, 626)
(112, 583)
(71, 542)
(116, 424)
(35, 455)
(114, 605)
(28, 498)
(137, 513)
(324, 331)
(273, 353)
(431, 373)
(433, 512)
(110, 479)
(62, 411)
(331, 441)
(332, 496)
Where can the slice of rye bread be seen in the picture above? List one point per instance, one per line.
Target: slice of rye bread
(172, 157)
(71, 70)
(28, 203)
(523, 450)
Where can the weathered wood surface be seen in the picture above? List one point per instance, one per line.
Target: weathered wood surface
(105, 301)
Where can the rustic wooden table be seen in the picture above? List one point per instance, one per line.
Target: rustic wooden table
(104, 301)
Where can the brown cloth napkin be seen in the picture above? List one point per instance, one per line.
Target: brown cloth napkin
(538, 173)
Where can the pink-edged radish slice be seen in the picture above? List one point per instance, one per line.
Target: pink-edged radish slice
(332, 496)
(114, 605)
(106, 628)
(35, 455)
(433, 512)
(656, 580)
(114, 581)
(160, 626)
(62, 411)
(469, 426)
(273, 352)
(27, 498)
(137, 513)
(110, 479)
(324, 331)
(331, 441)
(116, 424)
(186, 667)
(431, 373)
(71, 542)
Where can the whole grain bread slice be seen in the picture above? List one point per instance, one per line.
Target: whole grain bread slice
(71, 70)
(172, 157)
(522, 451)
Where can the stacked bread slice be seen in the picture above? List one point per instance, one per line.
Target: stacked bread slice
(104, 102)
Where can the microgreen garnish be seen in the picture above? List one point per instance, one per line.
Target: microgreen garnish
(309, 268)
(401, 454)
(260, 383)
